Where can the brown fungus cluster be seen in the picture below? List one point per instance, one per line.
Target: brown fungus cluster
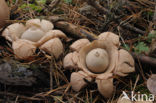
(34, 34)
(99, 60)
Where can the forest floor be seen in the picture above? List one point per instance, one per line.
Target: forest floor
(132, 20)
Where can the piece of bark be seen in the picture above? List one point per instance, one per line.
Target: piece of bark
(15, 73)
(20, 76)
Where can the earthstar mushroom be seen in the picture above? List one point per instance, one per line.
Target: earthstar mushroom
(99, 60)
(34, 34)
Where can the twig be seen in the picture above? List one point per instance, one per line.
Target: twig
(136, 81)
(76, 31)
(145, 59)
(154, 17)
(96, 5)
(16, 2)
(53, 4)
(141, 69)
(50, 5)
(20, 96)
(51, 71)
(16, 101)
(130, 27)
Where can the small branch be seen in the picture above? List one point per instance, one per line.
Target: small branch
(96, 5)
(154, 18)
(20, 96)
(51, 71)
(74, 30)
(53, 4)
(130, 27)
(145, 59)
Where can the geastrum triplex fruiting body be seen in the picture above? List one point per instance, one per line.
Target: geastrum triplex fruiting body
(99, 60)
(34, 34)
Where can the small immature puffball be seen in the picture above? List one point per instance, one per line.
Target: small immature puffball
(33, 34)
(4, 13)
(97, 60)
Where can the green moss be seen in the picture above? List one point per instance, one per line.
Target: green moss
(32, 6)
